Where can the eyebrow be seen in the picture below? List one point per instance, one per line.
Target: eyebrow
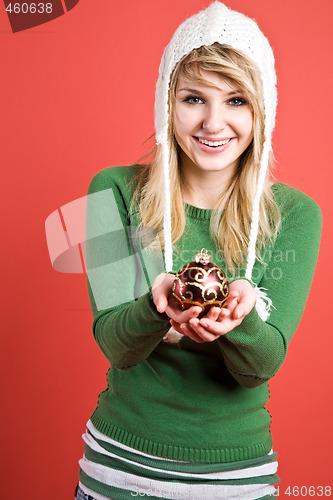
(197, 91)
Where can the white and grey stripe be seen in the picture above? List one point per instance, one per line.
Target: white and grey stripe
(174, 484)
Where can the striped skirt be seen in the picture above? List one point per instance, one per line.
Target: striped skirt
(111, 470)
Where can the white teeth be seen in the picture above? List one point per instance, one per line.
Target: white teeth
(213, 143)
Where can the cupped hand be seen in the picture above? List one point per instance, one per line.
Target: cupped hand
(219, 321)
(166, 302)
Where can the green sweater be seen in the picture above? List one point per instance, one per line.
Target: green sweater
(189, 401)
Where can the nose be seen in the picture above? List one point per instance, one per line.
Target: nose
(214, 119)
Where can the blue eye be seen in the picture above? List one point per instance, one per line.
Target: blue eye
(237, 101)
(193, 99)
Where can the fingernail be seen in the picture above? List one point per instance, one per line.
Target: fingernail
(182, 325)
(204, 324)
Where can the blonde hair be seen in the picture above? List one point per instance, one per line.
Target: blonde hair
(230, 232)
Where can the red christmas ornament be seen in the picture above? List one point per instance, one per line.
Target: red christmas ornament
(201, 283)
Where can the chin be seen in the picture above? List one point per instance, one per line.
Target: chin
(212, 166)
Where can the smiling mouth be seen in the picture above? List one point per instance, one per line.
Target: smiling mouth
(213, 144)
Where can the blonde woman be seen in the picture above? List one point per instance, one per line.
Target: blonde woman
(183, 415)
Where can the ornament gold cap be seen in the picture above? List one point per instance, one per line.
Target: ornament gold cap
(203, 257)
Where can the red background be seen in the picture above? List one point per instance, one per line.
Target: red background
(77, 96)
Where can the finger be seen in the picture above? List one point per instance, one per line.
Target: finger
(237, 312)
(230, 307)
(204, 333)
(182, 316)
(213, 313)
(176, 326)
(213, 327)
(161, 303)
(241, 310)
(224, 313)
(231, 300)
(231, 303)
(219, 328)
(188, 331)
(161, 290)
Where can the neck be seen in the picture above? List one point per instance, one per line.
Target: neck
(204, 189)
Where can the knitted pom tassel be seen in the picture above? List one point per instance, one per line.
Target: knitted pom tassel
(263, 304)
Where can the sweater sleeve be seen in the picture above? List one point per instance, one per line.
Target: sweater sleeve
(254, 351)
(126, 324)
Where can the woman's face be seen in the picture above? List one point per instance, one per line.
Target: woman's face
(213, 127)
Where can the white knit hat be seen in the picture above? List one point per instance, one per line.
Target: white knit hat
(217, 23)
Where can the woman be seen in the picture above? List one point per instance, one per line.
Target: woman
(183, 415)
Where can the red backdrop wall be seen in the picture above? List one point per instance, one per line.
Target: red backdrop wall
(77, 96)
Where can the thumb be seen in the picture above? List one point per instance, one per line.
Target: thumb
(161, 303)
